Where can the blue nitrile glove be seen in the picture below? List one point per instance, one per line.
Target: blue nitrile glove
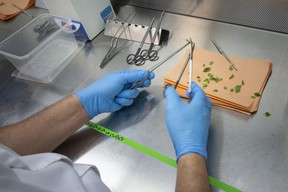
(188, 124)
(111, 92)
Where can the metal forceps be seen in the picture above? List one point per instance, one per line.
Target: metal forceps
(114, 43)
(190, 68)
(182, 71)
(137, 84)
(136, 58)
(150, 54)
(22, 10)
(232, 66)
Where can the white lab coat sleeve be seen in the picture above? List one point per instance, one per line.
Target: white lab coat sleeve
(87, 172)
(48, 172)
(9, 182)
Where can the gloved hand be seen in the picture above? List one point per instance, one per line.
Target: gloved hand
(111, 92)
(188, 124)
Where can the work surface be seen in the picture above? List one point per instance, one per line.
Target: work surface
(249, 153)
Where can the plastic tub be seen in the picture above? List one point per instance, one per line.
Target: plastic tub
(40, 47)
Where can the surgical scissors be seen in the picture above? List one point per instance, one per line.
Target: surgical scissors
(114, 42)
(150, 54)
(136, 58)
(140, 57)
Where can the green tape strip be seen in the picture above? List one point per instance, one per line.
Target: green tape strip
(169, 161)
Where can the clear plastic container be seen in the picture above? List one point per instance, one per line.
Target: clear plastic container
(40, 48)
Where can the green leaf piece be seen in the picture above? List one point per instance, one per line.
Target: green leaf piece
(237, 88)
(198, 77)
(206, 69)
(253, 97)
(216, 79)
(231, 68)
(231, 76)
(267, 114)
(211, 63)
(215, 90)
(231, 90)
(212, 78)
(225, 87)
(257, 94)
(206, 81)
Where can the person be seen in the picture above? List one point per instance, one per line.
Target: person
(26, 161)
(188, 126)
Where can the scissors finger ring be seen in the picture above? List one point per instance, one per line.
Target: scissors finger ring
(153, 56)
(130, 59)
(139, 60)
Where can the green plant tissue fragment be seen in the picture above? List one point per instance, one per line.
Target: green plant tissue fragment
(210, 75)
(237, 88)
(231, 76)
(206, 69)
(257, 94)
(206, 81)
(267, 114)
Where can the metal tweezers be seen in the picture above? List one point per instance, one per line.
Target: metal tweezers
(189, 58)
(190, 68)
(182, 71)
(114, 42)
(22, 10)
(223, 53)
